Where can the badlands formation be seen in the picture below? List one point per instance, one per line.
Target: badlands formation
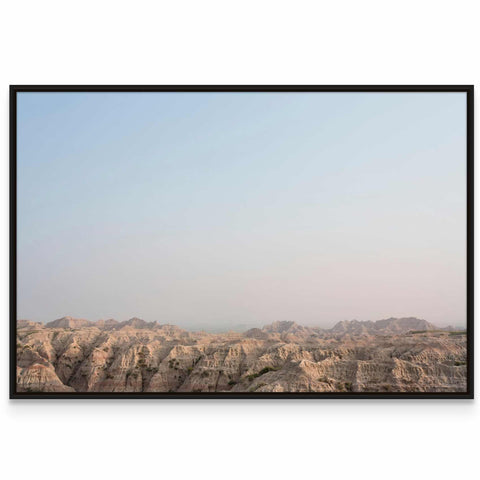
(393, 355)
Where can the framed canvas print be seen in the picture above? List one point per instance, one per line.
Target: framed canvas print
(241, 241)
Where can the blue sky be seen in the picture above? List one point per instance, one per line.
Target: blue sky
(218, 209)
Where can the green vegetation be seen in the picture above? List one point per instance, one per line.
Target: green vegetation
(324, 379)
(263, 371)
(141, 358)
(173, 363)
(416, 332)
(459, 364)
(31, 331)
(232, 382)
(344, 386)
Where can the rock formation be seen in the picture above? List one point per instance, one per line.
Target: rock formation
(392, 355)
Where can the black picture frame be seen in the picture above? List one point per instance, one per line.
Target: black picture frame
(468, 89)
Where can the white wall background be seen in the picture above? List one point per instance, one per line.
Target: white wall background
(204, 42)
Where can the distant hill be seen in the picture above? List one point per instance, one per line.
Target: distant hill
(28, 324)
(106, 325)
(383, 327)
(353, 327)
(287, 327)
(68, 322)
(109, 324)
(280, 329)
(137, 323)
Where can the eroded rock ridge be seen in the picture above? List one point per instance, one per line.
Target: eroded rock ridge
(392, 355)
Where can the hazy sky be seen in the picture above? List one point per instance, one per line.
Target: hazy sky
(203, 209)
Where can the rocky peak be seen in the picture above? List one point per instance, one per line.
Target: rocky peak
(137, 323)
(109, 324)
(68, 322)
(386, 326)
(403, 325)
(28, 324)
(287, 328)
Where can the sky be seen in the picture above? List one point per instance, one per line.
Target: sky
(218, 210)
